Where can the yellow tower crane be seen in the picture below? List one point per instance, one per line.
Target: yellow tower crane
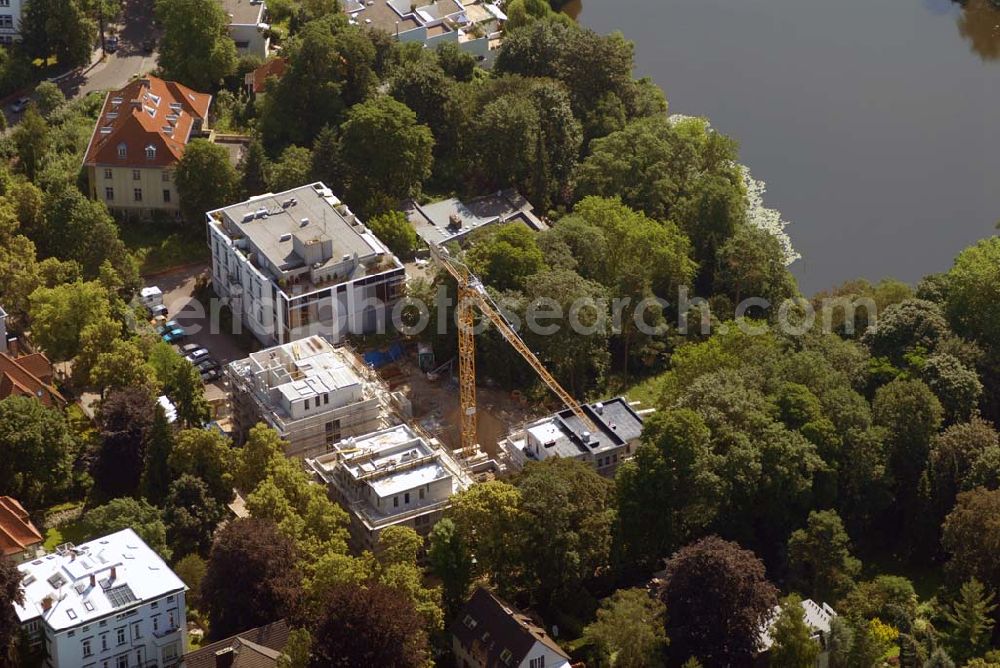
(472, 294)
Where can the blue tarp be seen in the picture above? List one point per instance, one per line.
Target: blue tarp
(378, 358)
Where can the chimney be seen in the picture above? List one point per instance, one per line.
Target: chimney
(224, 658)
(93, 580)
(46, 604)
(114, 573)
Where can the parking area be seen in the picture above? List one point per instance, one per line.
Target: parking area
(202, 326)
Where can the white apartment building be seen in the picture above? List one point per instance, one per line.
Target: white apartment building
(10, 21)
(299, 263)
(311, 392)
(393, 476)
(109, 603)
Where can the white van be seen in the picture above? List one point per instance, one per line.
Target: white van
(151, 296)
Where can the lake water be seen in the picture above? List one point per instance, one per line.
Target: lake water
(875, 123)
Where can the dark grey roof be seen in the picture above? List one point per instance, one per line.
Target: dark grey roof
(255, 642)
(488, 627)
(618, 424)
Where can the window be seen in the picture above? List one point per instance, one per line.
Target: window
(150, 152)
(86, 648)
(107, 173)
(104, 642)
(122, 150)
(537, 663)
(156, 623)
(136, 175)
(307, 404)
(71, 634)
(326, 397)
(122, 661)
(89, 607)
(165, 175)
(406, 497)
(395, 502)
(506, 656)
(469, 622)
(71, 613)
(109, 193)
(166, 195)
(6, 21)
(170, 619)
(136, 630)
(121, 635)
(137, 194)
(4, 3)
(421, 493)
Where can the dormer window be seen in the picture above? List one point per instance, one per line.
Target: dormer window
(122, 150)
(150, 152)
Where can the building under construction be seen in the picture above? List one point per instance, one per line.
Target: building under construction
(313, 393)
(390, 477)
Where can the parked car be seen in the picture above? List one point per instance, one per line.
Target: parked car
(157, 311)
(211, 374)
(111, 44)
(207, 364)
(148, 46)
(197, 356)
(167, 326)
(189, 348)
(20, 104)
(174, 335)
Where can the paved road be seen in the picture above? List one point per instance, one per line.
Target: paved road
(129, 61)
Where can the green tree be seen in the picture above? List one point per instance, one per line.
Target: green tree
(717, 599)
(451, 561)
(369, 625)
(956, 386)
(49, 98)
(59, 28)
(954, 457)
(11, 594)
(254, 169)
(970, 620)
(258, 456)
(195, 48)
(793, 644)
(504, 256)
(205, 179)
(156, 477)
(840, 643)
(489, 517)
(568, 519)
(191, 570)
(907, 326)
(126, 420)
(458, 64)
(38, 451)
(629, 629)
(970, 535)
(205, 454)
(973, 292)
(252, 577)
(188, 393)
(386, 153)
(291, 170)
(31, 137)
(123, 366)
(191, 515)
(819, 557)
(396, 232)
(669, 491)
(127, 513)
(752, 264)
(60, 314)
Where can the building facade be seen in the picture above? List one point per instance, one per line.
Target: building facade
(300, 263)
(247, 26)
(564, 434)
(109, 603)
(488, 632)
(390, 477)
(10, 21)
(138, 141)
(312, 393)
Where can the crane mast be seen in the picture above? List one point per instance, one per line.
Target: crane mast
(472, 294)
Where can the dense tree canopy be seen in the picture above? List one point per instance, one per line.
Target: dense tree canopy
(195, 48)
(38, 451)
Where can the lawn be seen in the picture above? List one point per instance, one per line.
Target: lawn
(161, 246)
(67, 531)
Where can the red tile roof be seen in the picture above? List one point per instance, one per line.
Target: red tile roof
(17, 533)
(273, 68)
(28, 376)
(147, 112)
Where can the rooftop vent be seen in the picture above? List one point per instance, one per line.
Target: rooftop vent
(455, 221)
(291, 201)
(599, 408)
(303, 222)
(247, 217)
(285, 237)
(260, 213)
